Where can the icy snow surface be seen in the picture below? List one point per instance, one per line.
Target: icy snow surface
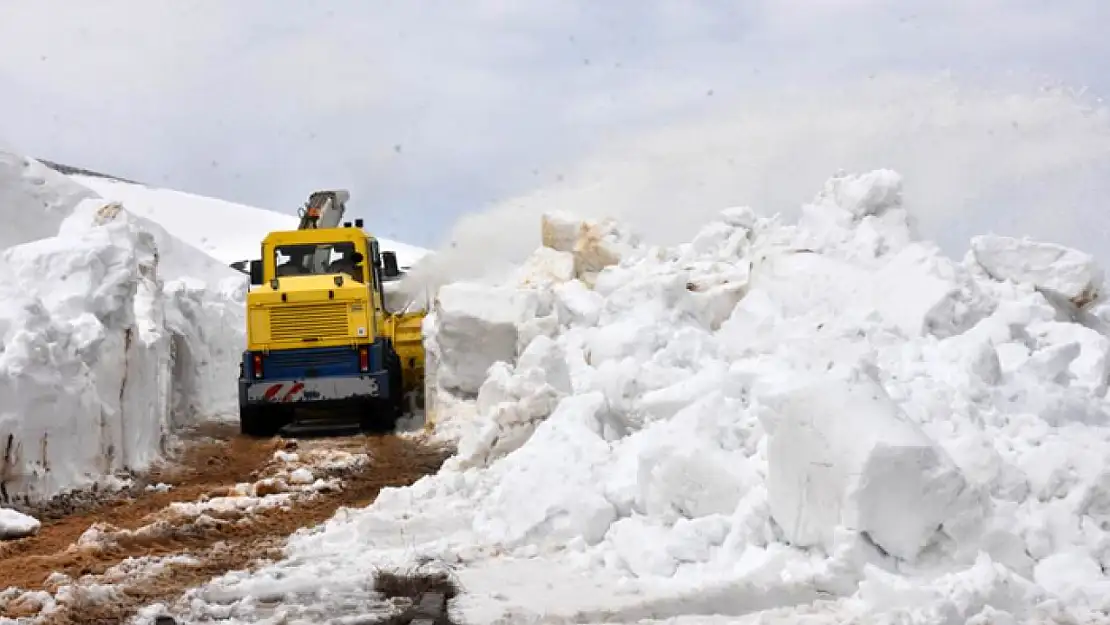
(818, 422)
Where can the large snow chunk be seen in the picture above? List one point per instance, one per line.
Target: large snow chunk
(595, 245)
(85, 365)
(204, 308)
(513, 403)
(577, 304)
(1059, 270)
(841, 454)
(547, 267)
(15, 524)
(559, 231)
(866, 194)
(857, 216)
(475, 326)
(554, 472)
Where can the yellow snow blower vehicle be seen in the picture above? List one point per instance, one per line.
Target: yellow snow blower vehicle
(318, 332)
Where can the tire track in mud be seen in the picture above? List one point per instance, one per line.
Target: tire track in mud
(219, 539)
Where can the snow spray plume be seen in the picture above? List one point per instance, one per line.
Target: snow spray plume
(973, 159)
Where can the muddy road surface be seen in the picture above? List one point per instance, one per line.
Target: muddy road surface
(225, 502)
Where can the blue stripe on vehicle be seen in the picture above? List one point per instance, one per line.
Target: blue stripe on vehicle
(313, 362)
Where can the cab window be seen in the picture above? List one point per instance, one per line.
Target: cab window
(317, 259)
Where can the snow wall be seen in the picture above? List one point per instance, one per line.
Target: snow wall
(829, 409)
(112, 334)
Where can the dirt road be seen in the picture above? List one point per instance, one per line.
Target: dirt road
(226, 503)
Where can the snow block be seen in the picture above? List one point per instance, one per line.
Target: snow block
(546, 267)
(861, 195)
(513, 403)
(841, 454)
(15, 525)
(563, 504)
(595, 245)
(85, 375)
(576, 304)
(559, 231)
(599, 245)
(1062, 271)
(713, 291)
(475, 326)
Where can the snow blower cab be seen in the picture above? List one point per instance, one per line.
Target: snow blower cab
(318, 333)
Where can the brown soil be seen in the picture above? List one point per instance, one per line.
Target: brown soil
(207, 468)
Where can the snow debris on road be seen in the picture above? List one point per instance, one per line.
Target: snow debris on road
(112, 562)
(827, 420)
(15, 524)
(288, 476)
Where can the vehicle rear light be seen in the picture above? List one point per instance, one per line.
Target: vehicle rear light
(363, 359)
(258, 365)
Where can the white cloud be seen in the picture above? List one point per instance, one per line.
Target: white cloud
(94, 52)
(430, 109)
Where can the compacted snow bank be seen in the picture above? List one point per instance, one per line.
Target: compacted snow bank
(112, 332)
(827, 419)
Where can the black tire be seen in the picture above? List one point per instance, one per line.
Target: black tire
(396, 385)
(372, 416)
(380, 414)
(259, 421)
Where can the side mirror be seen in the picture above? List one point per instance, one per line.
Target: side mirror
(357, 257)
(256, 272)
(389, 264)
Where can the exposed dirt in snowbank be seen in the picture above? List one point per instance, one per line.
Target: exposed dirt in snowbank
(231, 502)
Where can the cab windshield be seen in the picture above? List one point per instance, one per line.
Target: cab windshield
(317, 259)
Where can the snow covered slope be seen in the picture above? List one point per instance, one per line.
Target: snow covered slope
(228, 231)
(820, 422)
(35, 199)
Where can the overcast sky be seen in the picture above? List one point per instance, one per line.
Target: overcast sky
(658, 111)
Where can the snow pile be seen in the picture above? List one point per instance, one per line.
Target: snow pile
(289, 476)
(825, 420)
(112, 332)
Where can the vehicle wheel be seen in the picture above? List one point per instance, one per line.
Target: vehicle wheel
(374, 416)
(259, 421)
(396, 401)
